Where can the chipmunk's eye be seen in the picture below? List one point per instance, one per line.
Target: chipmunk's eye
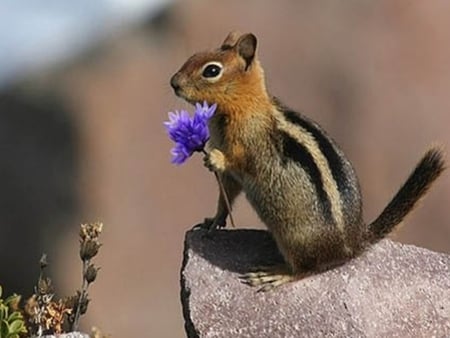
(212, 70)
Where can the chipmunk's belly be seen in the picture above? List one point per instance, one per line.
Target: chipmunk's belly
(284, 198)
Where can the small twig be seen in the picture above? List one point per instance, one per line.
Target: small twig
(89, 246)
(43, 292)
(81, 299)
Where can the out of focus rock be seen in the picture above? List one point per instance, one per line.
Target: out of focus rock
(68, 335)
(393, 290)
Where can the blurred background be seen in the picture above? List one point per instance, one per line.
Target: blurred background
(84, 89)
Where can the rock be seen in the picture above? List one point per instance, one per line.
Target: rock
(68, 335)
(393, 290)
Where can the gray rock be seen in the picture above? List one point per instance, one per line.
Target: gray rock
(68, 335)
(393, 290)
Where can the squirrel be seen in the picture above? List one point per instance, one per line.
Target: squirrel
(293, 173)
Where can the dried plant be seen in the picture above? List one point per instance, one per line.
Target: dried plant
(89, 246)
(45, 315)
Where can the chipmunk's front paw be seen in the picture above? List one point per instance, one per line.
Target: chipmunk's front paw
(215, 161)
(212, 223)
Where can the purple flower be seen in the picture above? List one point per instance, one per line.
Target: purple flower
(190, 134)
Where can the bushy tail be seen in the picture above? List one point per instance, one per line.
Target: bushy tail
(427, 170)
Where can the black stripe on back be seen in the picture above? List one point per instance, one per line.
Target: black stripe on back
(299, 153)
(326, 147)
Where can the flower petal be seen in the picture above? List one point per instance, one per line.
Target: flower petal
(189, 133)
(179, 154)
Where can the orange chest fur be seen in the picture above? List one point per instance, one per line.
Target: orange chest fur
(231, 137)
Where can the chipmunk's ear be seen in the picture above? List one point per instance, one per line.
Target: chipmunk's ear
(230, 40)
(246, 47)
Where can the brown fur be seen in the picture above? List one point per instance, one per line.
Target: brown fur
(293, 174)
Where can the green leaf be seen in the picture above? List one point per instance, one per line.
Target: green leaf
(6, 325)
(3, 312)
(12, 335)
(11, 299)
(15, 316)
(3, 328)
(17, 327)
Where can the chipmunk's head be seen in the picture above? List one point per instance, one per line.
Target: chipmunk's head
(223, 75)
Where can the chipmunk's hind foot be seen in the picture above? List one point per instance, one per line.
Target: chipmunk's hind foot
(268, 278)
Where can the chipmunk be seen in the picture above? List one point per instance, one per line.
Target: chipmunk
(294, 175)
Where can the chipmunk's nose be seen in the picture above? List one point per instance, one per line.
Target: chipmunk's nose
(175, 83)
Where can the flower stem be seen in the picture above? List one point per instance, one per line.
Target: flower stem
(224, 194)
(225, 197)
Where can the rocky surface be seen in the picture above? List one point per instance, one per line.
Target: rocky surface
(68, 335)
(393, 290)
